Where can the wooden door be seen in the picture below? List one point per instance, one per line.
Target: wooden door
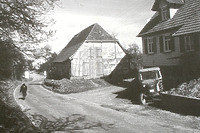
(95, 64)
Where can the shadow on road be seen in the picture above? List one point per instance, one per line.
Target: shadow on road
(35, 84)
(176, 109)
(130, 93)
(73, 123)
(21, 98)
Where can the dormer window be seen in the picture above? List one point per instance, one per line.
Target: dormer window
(165, 13)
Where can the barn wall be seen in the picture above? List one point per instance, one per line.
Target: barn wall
(59, 70)
(94, 60)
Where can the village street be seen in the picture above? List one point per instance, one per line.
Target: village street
(100, 111)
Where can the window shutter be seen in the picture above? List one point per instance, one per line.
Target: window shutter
(154, 45)
(196, 42)
(168, 12)
(161, 43)
(182, 47)
(172, 44)
(145, 49)
(160, 15)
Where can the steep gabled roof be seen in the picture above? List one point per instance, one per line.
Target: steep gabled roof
(186, 20)
(151, 23)
(92, 33)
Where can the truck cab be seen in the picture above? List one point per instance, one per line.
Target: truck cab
(150, 80)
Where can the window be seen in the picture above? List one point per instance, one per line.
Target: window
(99, 68)
(98, 52)
(166, 45)
(189, 43)
(150, 45)
(91, 52)
(148, 75)
(165, 13)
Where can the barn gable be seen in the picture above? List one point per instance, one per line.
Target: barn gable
(92, 53)
(98, 33)
(92, 33)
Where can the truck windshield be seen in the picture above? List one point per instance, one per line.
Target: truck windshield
(148, 75)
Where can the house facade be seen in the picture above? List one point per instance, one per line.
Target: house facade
(92, 53)
(171, 38)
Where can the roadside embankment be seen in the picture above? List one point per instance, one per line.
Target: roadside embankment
(185, 98)
(12, 119)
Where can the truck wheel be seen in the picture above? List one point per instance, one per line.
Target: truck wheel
(142, 99)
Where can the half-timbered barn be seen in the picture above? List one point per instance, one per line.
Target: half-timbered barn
(92, 53)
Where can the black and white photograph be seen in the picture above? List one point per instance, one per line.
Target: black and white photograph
(99, 66)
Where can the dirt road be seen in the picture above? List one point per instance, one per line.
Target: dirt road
(100, 111)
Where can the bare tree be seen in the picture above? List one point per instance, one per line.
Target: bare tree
(136, 55)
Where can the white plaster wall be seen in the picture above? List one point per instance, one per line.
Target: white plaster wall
(111, 56)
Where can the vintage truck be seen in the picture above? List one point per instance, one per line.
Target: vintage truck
(150, 84)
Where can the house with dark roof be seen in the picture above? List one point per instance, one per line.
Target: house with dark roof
(92, 53)
(171, 39)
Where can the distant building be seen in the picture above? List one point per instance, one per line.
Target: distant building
(92, 53)
(171, 39)
(26, 75)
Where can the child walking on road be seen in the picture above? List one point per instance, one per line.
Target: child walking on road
(23, 90)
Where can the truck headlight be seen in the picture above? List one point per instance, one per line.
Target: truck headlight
(144, 86)
(152, 90)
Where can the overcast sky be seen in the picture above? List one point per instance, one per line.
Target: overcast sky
(125, 18)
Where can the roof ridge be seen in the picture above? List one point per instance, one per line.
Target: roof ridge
(78, 39)
(102, 35)
(91, 30)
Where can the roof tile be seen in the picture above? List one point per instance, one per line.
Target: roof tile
(175, 1)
